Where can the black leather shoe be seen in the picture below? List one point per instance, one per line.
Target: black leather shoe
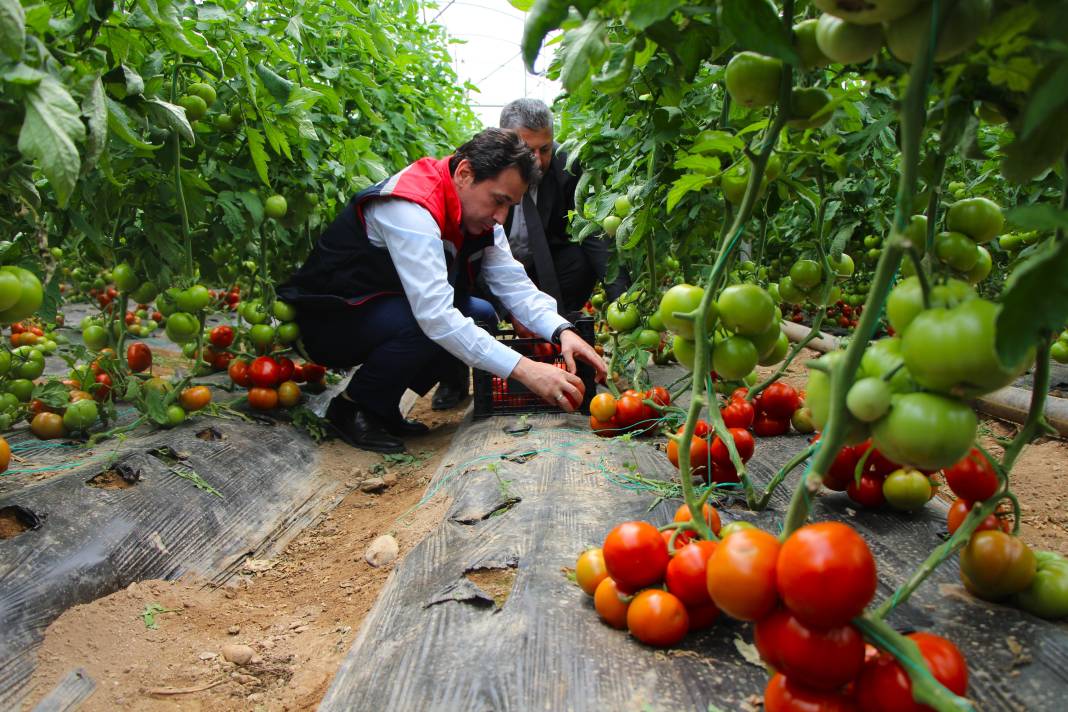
(359, 429)
(451, 392)
(407, 427)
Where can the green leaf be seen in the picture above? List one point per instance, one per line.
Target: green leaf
(52, 298)
(717, 141)
(756, 25)
(23, 75)
(544, 17)
(259, 156)
(1048, 96)
(277, 139)
(172, 116)
(52, 126)
(12, 28)
(1026, 158)
(119, 124)
(1038, 217)
(584, 50)
(51, 393)
(1034, 301)
(648, 12)
(278, 86)
(689, 182)
(522, 5)
(95, 110)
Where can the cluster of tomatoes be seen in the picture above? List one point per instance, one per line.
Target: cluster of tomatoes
(801, 595)
(610, 416)
(273, 382)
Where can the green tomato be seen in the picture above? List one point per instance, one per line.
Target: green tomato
(683, 298)
(21, 388)
(194, 106)
(868, 399)
(844, 267)
(175, 415)
(654, 321)
(905, 36)
(777, 353)
(166, 303)
(8, 402)
(926, 430)
(746, 309)
(80, 415)
(254, 313)
(789, 292)
(1047, 596)
(288, 332)
(125, 278)
(194, 299)
(732, 527)
(873, 241)
(957, 250)
(5, 362)
(10, 289)
(30, 296)
(773, 291)
(806, 107)
(685, 351)
(283, 311)
(806, 274)
(275, 207)
(31, 366)
(953, 350)
(882, 357)
(182, 327)
(734, 358)
(906, 299)
(982, 268)
(204, 91)
(818, 400)
(766, 341)
(978, 218)
(801, 421)
(622, 206)
(647, 339)
(907, 489)
(871, 12)
(611, 225)
(753, 79)
(261, 335)
(146, 292)
(95, 337)
(1058, 351)
(847, 43)
(807, 48)
(622, 319)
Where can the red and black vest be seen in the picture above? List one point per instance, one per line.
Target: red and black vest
(346, 269)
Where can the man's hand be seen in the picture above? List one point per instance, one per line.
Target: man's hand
(552, 384)
(573, 346)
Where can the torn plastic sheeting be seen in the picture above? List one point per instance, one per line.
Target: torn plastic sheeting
(94, 541)
(547, 649)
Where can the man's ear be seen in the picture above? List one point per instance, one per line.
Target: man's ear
(464, 175)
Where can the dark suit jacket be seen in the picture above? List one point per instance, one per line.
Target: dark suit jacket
(556, 197)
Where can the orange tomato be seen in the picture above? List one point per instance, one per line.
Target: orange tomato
(741, 574)
(610, 605)
(262, 398)
(195, 397)
(590, 570)
(657, 618)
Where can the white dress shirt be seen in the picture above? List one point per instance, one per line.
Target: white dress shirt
(415, 245)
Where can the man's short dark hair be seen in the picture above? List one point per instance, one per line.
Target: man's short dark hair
(529, 114)
(492, 151)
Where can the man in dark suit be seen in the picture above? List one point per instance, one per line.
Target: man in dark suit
(537, 230)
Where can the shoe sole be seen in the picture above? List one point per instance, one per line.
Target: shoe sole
(360, 446)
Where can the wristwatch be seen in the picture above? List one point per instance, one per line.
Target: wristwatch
(567, 325)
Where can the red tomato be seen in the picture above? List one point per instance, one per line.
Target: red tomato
(298, 375)
(103, 388)
(958, 512)
(884, 686)
(659, 395)
(743, 443)
(741, 574)
(636, 555)
(778, 401)
(723, 474)
(221, 336)
(698, 456)
(820, 658)
(826, 574)
(605, 429)
(263, 372)
(221, 362)
(766, 427)
(701, 429)
(840, 474)
(738, 414)
(138, 356)
(687, 573)
(682, 514)
(238, 370)
(784, 695)
(630, 411)
(314, 372)
(877, 462)
(740, 394)
(973, 477)
(285, 369)
(657, 618)
(262, 398)
(869, 493)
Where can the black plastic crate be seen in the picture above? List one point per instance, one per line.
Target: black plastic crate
(506, 396)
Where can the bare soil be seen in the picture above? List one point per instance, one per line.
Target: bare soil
(298, 612)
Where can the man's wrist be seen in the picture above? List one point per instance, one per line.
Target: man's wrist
(566, 326)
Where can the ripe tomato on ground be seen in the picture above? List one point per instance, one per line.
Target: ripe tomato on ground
(778, 401)
(743, 443)
(884, 686)
(611, 604)
(195, 397)
(699, 457)
(826, 574)
(994, 565)
(263, 372)
(590, 570)
(738, 414)
(139, 357)
(635, 555)
(767, 427)
(841, 472)
(262, 398)
(630, 411)
(288, 394)
(785, 695)
(659, 395)
(657, 618)
(603, 407)
(682, 514)
(869, 492)
(820, 658)
(238, 370)
(741, 574)
(958, 512)
(687, 573)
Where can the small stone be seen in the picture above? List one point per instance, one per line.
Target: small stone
(300, 629)
(390, 479)
(238, 654)
(382, 551)
(207, 655)
(244, 679)
(256, 660)
(234, 629)
(375, 484)
(256, 697)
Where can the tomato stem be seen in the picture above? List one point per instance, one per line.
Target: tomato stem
(793, 462)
